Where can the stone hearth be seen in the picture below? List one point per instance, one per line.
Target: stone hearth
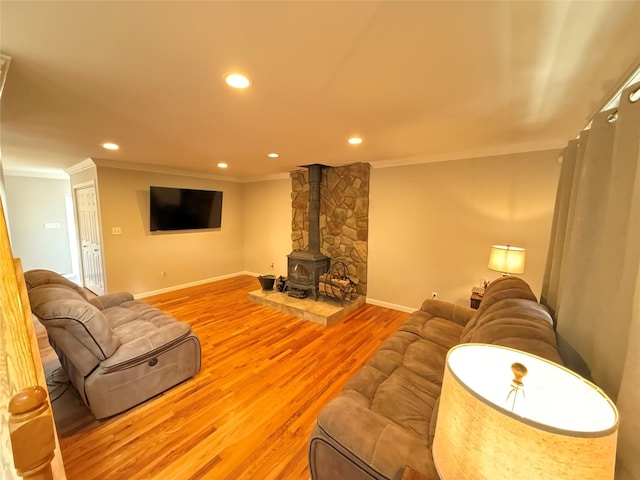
(324, 311)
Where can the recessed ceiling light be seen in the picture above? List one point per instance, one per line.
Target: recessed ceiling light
(273, 155)
(110, 146)
(236, 80)
(355, 140)
(222, 165)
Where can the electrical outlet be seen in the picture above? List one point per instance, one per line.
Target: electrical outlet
(116, 231)
(163, 274)
(434, 295)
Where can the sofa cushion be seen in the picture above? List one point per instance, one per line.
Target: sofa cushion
(450, 311)
(58, 306)
(143, 332)
(435, 329)
(517, 323)
(501, 289)
(387, 405)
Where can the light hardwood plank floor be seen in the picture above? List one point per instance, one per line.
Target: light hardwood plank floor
(248, 413)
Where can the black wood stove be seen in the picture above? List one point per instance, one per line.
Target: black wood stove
(305, 267)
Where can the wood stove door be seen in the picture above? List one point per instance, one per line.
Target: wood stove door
(299, 274)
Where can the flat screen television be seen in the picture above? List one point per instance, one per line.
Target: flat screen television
(184, 209)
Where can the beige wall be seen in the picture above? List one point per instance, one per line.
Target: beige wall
(135, 259)
(267, 226)
(432, 225)
(31, 203)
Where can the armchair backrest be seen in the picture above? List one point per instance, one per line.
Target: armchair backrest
(75, 325)
(34, 278)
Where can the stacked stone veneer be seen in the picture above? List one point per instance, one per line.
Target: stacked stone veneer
(344, 217)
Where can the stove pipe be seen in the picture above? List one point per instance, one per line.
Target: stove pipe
(315, 176)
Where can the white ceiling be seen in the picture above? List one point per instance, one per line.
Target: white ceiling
(419, 81)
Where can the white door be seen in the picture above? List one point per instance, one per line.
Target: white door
(89, 234)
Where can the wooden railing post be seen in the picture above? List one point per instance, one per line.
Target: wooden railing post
(32, 436)
(27, 430)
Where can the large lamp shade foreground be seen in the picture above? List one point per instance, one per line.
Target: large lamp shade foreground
(563, 427)
(507, 259)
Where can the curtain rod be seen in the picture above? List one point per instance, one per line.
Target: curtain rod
(614, 100)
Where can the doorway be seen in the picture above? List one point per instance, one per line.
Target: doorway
(90, 236)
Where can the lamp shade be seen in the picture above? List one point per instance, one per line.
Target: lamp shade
(563, 427)
(506, 259)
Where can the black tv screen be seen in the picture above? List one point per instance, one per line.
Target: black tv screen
(184, 209)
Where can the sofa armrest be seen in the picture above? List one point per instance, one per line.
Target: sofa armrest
(450, 311)
(110, 300)
(379, 446)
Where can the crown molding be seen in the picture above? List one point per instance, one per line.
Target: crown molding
(397, 162)
(80, 166)
(465, 155)
(266, 178)
(143, 167)
(36, 172)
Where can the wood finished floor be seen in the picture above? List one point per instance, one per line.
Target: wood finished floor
(248, 413)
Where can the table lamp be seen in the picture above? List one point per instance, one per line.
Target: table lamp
(542, 422)
(506, 259)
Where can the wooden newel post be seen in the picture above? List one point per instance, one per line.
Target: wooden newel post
(31, 430)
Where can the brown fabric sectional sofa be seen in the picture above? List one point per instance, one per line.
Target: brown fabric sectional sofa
(117, 351)
(385, 417)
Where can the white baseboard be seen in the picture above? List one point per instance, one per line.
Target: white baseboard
(371, 301)
(393, 306)
(191, 284)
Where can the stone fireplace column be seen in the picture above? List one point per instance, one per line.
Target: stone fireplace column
(305, 267)
(343, 216)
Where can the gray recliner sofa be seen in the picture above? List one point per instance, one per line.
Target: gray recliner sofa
(117, 351)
